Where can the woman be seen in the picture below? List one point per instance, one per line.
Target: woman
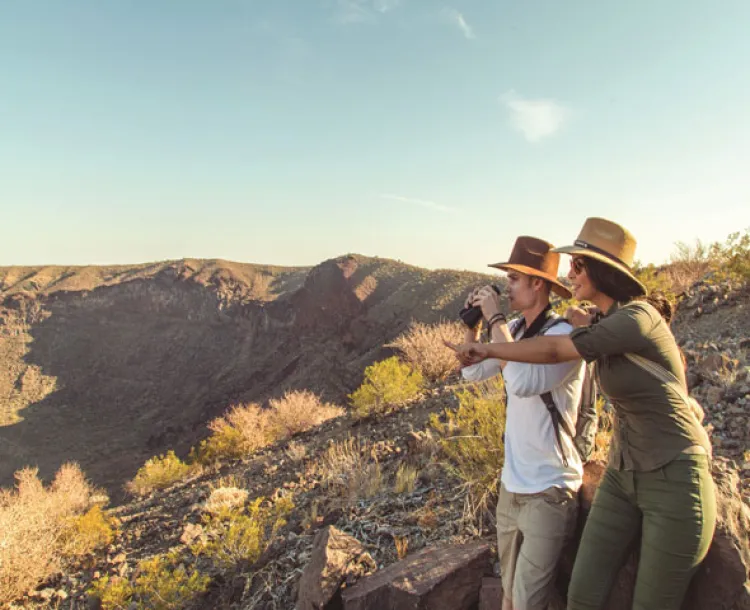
(657, 491)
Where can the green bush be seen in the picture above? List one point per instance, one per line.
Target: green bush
(112, 593)
(234, 536)
(387, 384)
(159, 472)
(163, 583)
(731, 260)
(471, 439)
(84, 533)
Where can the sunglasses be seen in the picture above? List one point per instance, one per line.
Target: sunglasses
(577, 265)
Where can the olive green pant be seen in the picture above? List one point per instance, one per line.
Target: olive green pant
(669, 512)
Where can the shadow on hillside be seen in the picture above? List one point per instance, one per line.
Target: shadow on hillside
(143, 365)
(139, 369)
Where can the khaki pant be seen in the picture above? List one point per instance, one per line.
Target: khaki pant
(532, 530)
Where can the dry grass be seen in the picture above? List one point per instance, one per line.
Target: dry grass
(406, 479)
(296, 451)
(224, 499)
(422, 346)
(350, 471)
(41, 528)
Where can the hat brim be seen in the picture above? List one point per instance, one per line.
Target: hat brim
(604, 259)
(558, 288)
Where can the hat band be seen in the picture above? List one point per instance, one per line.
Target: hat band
(587, 246)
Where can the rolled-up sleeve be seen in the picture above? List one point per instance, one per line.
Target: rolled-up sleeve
(625, 330)
(481, 370)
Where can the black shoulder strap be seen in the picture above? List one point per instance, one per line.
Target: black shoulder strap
(557, 422)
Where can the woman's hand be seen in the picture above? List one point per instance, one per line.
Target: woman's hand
(578, 316)
(469, 353)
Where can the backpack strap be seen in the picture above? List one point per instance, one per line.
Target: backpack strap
(670, 379)
(557, 422)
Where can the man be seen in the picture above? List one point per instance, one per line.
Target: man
(542, 471)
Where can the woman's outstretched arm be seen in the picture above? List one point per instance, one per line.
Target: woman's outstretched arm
(538, 350)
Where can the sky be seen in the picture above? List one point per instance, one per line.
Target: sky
(293, 131)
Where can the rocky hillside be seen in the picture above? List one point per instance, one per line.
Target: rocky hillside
(331, 542)
(108, 366)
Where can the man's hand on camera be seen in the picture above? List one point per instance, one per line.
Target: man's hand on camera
(470, 299)
(489, 301)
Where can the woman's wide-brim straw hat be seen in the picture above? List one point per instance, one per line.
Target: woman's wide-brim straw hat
(608, 242)
(534, 256)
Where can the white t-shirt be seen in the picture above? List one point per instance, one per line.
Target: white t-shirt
(533, 461)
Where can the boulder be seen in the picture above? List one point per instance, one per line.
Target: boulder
(336, 558)
(434, 578)
(491, 594)
(723, 580)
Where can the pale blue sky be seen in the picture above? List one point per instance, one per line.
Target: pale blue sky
(289, 132)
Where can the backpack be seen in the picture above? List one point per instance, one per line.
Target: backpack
(588, 418)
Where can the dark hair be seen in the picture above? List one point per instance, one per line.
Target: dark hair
(615, 284)
(622, 289)
(662, 304)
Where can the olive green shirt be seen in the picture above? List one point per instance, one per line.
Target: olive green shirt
(653, 425)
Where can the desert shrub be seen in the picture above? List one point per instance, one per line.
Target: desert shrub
(84, 533)
(350, 471)
(731, 260)
(471, 439)
(422, 346)
(235, 536)
(158, 473)
(39, 529)
(387, 384)
(297, 412)
(655, 279)
(113, 593)
(246, 428)
(687, 264)
(163, 583)
(242, 430)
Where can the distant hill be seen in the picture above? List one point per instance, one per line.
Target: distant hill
(108, 366)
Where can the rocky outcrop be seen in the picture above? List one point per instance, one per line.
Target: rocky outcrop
(435, 578)
(336, 559)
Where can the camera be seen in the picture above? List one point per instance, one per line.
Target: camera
(471, 316)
